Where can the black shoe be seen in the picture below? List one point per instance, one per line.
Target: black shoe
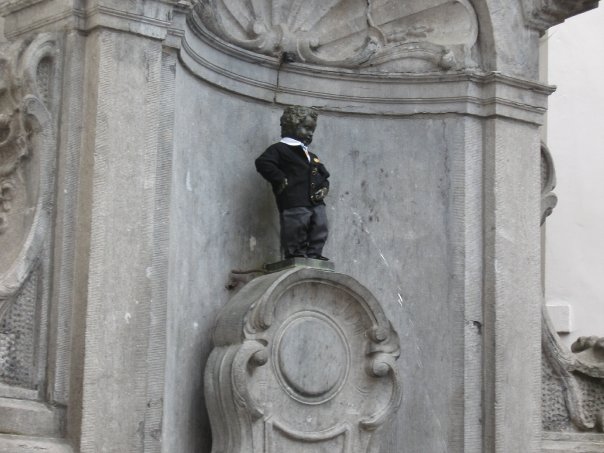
(287, 257)
(318, 257)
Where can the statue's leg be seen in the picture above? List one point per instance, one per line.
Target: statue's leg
(317, 232)
(294, 230)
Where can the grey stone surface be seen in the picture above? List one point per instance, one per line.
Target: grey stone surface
(572, 443)
(25, 444)
(512, 311)
(125, 222)
(31, 418)
(388, 216)
(303, 360)
(434, 207)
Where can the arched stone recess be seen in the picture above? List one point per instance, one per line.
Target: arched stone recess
(275, 48)
(415, 58)
(28, 91)
(303, 360)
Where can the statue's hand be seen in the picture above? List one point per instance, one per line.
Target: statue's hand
(281, 187)
(319, 194)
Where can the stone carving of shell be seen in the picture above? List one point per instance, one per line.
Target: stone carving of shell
(349, 33)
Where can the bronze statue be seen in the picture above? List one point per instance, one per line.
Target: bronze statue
(300, 183)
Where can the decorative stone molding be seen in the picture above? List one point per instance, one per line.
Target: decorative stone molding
(339, 90)
(572, 442)
(543, 14)
(10, 6)
(34, 444)
(549, 200)
(302, 358)
(390, 35)
(28, 85)
(156, 19)
(590, 356)
(573, 383)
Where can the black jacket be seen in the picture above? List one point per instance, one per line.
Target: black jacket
(280, 162)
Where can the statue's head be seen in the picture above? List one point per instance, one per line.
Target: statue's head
(299, 122)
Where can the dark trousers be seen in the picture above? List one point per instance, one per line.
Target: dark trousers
(303, 231)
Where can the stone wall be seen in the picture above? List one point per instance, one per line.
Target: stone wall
(429, 124)
(390, 222)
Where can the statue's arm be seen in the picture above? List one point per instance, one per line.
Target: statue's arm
(269, 166)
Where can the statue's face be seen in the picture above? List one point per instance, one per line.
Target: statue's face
(305, 130)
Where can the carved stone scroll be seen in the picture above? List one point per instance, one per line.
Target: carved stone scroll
(304, 360)
(549, 199)
(543, 14)
(573, 384)
(387, 34)
(27, 169)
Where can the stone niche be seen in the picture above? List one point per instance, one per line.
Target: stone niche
(128, 132)
(304, 360)
(409, 131)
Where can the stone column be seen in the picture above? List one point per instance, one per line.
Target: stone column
(120, 266)
(512, 296)
(512, 291)
(114, 146)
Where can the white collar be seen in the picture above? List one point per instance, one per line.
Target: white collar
(293, 142)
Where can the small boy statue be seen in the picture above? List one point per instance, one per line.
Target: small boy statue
(300, 183)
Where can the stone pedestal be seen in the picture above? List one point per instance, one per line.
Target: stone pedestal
(304, 360)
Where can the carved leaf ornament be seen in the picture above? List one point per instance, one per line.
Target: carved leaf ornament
(27, 160)
(394, 35)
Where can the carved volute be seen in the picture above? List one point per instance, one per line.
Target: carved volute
(543, 14)
(549, 200)
(303, 361)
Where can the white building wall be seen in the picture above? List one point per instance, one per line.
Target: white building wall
(574, 273)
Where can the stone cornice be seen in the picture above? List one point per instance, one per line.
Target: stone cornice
(29, 444)
(154, 26)
(160, 20)
(10, 6)
(543, 14)
(469, 92)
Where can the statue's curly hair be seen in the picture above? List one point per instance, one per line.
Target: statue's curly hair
(294, 115)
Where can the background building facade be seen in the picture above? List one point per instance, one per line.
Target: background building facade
(574, 265)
